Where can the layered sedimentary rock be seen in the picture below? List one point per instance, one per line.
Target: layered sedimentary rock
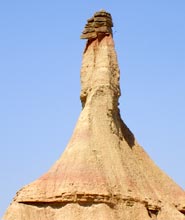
(99, 25)
(103, 173)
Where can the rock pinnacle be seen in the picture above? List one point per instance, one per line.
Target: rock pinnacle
(104, 173)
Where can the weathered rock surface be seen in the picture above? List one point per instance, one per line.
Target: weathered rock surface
(103, 173)
(99, 25)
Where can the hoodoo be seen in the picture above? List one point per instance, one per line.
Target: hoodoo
(103, 173)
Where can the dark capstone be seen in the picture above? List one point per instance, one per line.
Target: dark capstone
(100, 23)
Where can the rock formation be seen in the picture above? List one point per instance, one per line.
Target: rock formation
(103, 174)
(99, 24)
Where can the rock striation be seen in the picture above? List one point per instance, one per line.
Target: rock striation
(99, 25)
(103, 173)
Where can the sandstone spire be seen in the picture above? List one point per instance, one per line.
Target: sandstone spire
(103, 174)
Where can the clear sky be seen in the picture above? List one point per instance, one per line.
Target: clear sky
(40, 59)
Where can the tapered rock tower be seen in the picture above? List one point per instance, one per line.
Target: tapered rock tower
(103, 174)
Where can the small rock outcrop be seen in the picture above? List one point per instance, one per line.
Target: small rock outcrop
(99, 25)
(104, 173)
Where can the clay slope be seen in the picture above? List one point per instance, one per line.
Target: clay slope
(103, 173)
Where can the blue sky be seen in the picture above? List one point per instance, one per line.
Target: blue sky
(40, 59)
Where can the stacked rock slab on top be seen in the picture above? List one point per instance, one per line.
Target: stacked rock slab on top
(100, 24)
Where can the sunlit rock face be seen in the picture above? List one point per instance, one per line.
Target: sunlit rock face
(103, 173)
